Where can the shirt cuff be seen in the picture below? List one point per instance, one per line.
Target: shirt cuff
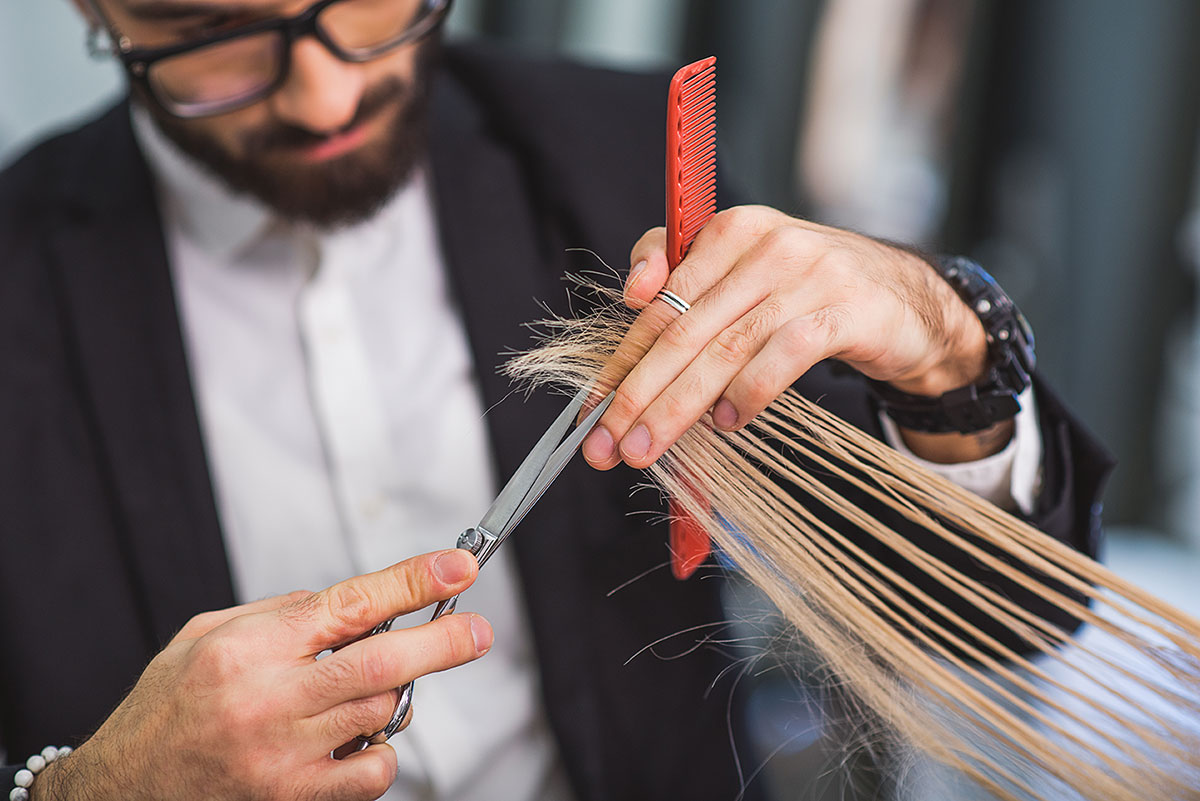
(1011, 479)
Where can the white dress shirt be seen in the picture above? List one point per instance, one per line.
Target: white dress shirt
(344, 432)
(1011, 479)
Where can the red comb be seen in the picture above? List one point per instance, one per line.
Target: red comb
(691, 201)
(691, 155)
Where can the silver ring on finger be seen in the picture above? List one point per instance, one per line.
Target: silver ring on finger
(674, 301)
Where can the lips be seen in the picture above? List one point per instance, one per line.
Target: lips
(338, 144)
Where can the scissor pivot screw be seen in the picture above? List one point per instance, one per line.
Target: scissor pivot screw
(470, 540)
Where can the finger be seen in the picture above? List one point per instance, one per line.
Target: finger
(724, 350)
(355, 743)
(205, 622)
(365, 775)
(719, 323)
(352, 607)
(694, 392)
(789, 353)
(375, 665)
(648, 268)
(719, 246)
(355, 720)
(689, 366)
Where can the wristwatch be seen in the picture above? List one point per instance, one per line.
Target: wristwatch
(1010, 362)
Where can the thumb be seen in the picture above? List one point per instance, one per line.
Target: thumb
(649, 269)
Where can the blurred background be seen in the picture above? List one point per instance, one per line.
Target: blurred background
(1053, 140)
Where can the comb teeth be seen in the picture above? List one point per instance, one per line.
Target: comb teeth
(691, 155)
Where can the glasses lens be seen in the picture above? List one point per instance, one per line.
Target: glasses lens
(363, 28)
(221, 75)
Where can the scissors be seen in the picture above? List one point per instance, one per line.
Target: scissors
(535, 475)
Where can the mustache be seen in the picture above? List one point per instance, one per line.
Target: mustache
(391, 92)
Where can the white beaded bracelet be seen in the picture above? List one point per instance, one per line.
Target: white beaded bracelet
(33, 766)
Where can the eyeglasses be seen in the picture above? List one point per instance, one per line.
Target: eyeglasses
(242, 65)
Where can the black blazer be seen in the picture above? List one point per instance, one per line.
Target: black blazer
(109, 536)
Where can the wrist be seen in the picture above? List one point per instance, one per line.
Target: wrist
(31, 782)
(971, 385)
(44, 788)
(55, 784)
(955, 448)
(962, 356)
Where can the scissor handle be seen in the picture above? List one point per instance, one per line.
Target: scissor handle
(478, 541)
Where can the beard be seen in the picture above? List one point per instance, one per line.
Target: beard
(340, 191)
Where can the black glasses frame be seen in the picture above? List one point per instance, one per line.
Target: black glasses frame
(138, 61)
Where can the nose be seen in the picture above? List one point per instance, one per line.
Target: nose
(321, 93)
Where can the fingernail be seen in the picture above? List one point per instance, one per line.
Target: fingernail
(724, 415)
(636, 443)
(598, 447)
(634, 275)
(481, 633)
(452, 567)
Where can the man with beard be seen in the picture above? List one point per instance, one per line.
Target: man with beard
(252, 321)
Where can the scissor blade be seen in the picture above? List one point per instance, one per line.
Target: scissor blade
(514, 492)
(555, 464)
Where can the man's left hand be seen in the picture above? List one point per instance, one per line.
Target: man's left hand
(772, 295)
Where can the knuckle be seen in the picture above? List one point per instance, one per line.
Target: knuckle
(218, 658)
(360, 716)
(373, 666)
(835, 261)
(759, 389)
(679, 411)
(203, 622)
(457, 643)
(653, 239)
(452, 645)
(784, 240)
(415, 576)
(687, 281)
(302, 609)
(350, 607)
(767, 316)
(626, 406)
(674, 405)
(718, 294)
(795, 248)
(734, 345)
(797, 335)
(830, 322)
(381, 707)
(735, 220)
(297, 597)
(680, 334)
(738, 343)
(808, 337)
(326, 675)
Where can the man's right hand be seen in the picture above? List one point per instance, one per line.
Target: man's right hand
(238, 707)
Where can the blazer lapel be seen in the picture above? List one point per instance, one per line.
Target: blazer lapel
(115, 288)
(497, 256)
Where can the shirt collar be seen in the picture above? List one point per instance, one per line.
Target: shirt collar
(219, 220)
